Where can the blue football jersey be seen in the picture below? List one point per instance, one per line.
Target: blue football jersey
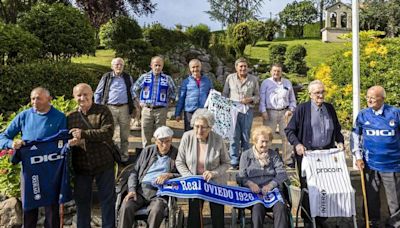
(45, 171)
(380, 138)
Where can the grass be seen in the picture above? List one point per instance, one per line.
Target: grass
(317, 51)
(102, 59)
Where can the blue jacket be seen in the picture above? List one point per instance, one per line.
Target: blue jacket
(191, 96)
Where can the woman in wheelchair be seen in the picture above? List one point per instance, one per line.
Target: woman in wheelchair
(203, 152)
(261, 169)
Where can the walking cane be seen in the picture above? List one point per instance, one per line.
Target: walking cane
(61, 215)
(364, 198)
(284, 140)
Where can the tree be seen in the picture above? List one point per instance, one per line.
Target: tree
(381, 15)
(199, 35)
(118, 31)
(64, 30)
(257, 31)
(298, 14)
(10, 10)
(234, 11)
(271, 26)
(101, 11)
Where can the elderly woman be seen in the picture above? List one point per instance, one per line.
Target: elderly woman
(261, 169)
(203, 152)
(193, 93)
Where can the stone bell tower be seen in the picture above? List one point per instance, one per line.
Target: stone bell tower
(337, 22)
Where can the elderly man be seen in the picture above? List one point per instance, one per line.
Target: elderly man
(242, 88)
(92, 128)
(193, 93)
(156, 91)
(277, 103)
(115, 90)
(38, 122)
(376, 138)
(155, 165)
(314, 126)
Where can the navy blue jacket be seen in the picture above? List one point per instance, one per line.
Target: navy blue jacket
(299, 130)
(191, 96)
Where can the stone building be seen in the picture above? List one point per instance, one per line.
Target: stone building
(337, 22)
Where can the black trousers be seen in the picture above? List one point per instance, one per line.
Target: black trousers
(156, 207)
(195, 214)
(280, 215)
(52, 217)
(187, 117)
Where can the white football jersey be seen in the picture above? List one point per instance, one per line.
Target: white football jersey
(329, 185)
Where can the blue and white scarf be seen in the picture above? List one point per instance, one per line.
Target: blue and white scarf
(197, 187)
(161, 98)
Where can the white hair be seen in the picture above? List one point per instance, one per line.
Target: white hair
(116, 60)
(203, 113)
(315, 82)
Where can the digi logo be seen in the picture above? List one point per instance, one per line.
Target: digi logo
(380, 132)
(45, 158)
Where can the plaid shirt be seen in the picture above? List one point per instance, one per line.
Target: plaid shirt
(96, 157)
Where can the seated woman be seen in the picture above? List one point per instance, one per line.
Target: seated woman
(203, 152)
(261, 169)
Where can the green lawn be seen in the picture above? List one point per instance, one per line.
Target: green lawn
(317, 51)
(102, 58)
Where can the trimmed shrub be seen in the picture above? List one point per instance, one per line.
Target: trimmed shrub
(295, 59)
(241, 37)
(312, 30)
(277, 53)
(162, 39)
(118, 31)
(64, 30)
(17, 45)
(17, 81)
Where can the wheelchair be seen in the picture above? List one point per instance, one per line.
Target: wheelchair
(174, 217)
(239, 214)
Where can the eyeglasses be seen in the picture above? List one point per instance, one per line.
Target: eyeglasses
(370, 98)
(201, 127)
(322, 92)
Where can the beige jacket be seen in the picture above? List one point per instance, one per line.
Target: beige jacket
(217, 158)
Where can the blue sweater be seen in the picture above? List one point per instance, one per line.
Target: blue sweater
(191, 96)
(33, 126)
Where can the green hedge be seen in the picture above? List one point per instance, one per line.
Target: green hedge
(17, 81)
(312, 31)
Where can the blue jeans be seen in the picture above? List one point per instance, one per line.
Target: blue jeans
(242, 136)
(83, 198)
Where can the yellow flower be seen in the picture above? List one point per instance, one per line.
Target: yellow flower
(347, 54)
(372, 64)
(348, 90)
(382, 50)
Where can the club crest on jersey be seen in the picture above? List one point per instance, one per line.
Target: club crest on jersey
(391, 123)
(60, 144)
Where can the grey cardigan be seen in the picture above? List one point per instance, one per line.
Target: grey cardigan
(217, 158)
(250, 169)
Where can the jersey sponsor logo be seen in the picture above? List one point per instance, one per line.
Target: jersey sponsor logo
(45, 158)
(36, 187)
(380, 132)
(329, 170)
(33, 148)
(323, 203)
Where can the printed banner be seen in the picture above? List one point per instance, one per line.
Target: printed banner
(225, 114)
(197, 187)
